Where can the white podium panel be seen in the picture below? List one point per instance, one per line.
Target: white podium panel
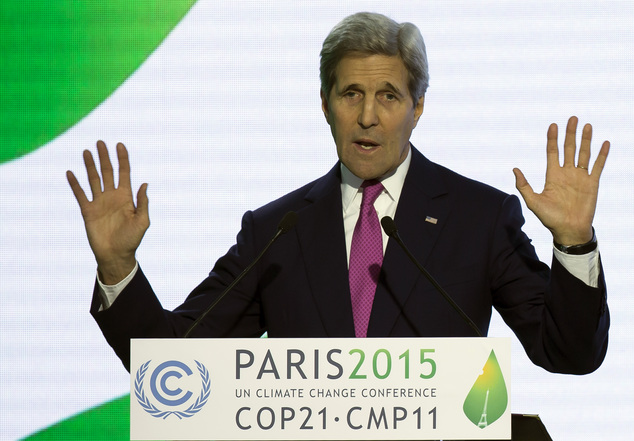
(320, 389)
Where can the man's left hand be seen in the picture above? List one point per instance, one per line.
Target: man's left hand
(567, 204)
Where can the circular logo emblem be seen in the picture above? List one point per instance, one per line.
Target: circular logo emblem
(171, 386)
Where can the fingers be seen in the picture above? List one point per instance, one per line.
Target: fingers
(106, 166)
(570, 145)
(552, 150)
(599, 163)
(107, 173)
(93, 176)
(124, 166)
(82, 200)
(584, 149)
(583, 161)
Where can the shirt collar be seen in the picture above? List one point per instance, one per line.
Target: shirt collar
(393, 183)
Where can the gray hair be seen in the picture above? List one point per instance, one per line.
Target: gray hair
(375, 34)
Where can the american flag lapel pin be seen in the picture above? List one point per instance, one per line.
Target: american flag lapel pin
(431, 220)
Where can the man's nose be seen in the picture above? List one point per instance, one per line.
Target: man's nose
(368, 116)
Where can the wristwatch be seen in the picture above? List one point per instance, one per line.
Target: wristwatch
(577, 250)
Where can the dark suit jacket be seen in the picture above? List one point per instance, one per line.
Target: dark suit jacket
(476, 251)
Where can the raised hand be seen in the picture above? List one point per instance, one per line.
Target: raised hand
(568, 202)
(114, 225)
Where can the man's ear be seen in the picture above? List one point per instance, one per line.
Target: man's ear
(418, 109)
(324, 105)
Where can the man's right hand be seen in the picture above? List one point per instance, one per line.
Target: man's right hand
(114, 225)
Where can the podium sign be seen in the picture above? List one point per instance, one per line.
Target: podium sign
(320, 389)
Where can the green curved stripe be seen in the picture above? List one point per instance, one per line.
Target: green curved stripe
(108, 422)
(60, 59)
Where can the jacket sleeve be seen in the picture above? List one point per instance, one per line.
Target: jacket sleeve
(561, 322)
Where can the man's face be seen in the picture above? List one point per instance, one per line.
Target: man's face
(371, 113)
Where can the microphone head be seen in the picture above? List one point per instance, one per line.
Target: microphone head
(389, 226)
(288, 222)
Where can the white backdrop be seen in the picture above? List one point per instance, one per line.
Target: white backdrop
(225, 116)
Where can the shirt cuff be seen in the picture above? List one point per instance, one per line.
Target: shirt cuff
(109, 293)
(584, 267)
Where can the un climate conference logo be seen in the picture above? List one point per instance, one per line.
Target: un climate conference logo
(164, 387)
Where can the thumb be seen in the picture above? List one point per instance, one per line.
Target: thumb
(522, 185)
(143, 202)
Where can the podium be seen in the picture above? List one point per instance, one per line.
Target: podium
(528, 428)
(324, 389)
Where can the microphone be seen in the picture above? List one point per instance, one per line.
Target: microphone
(286, 224)
(390, 229)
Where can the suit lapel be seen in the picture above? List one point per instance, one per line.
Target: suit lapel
(322, 241)
(422, 212)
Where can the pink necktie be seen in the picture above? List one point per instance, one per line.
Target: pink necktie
(366, 257)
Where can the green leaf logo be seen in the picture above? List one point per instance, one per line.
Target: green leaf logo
(488, 398)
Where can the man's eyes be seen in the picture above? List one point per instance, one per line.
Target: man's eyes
(383, 96)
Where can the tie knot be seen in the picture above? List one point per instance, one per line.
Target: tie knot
(371, 190)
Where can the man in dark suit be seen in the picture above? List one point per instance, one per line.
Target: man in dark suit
(374, 77)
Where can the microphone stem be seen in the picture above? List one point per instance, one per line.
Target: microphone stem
(234, 283)
(439, 288)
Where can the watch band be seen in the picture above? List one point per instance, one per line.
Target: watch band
(577, 250)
